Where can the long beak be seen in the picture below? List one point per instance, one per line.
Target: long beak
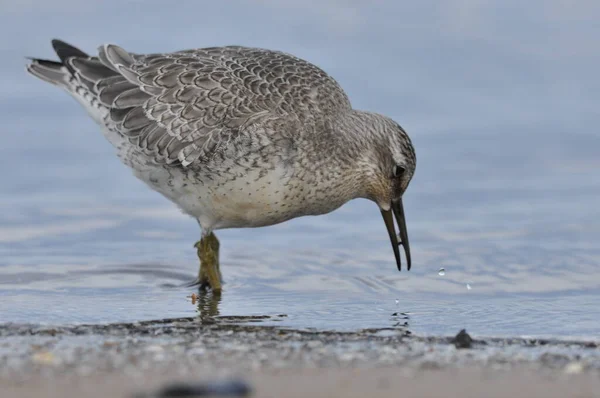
(398, 211)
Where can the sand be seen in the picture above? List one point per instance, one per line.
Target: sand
(126, 360)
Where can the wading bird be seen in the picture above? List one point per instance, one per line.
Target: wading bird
(239, 137)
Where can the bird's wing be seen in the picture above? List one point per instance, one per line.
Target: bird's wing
(187, 105)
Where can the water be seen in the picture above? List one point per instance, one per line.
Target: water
(505, 192)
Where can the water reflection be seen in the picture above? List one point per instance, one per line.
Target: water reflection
(208, 305)
(400, 320)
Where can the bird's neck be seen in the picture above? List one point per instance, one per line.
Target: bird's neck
(347, 164)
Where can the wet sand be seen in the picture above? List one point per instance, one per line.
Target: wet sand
(122, 360)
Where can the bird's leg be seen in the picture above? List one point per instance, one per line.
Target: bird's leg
(209, 275)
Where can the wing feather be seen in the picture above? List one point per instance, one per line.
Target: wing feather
(187, 106)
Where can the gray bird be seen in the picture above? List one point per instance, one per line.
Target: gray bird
(239, 137)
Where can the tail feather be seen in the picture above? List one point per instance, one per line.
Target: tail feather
(66, 51)
(116, 56)
(74, 66)
(104, 59)
(90, 69)
(103, 81)
(81, 76)
(49, 71)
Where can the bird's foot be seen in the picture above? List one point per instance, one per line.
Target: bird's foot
(209, 275)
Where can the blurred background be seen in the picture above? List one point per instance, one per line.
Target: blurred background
(499, 97)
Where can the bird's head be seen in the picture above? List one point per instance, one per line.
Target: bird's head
(388, 167)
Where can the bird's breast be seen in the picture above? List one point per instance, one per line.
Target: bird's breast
(258, 199)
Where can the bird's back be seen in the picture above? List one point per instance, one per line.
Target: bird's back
(183, 107)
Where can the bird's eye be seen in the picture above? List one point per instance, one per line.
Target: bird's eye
(398, 171)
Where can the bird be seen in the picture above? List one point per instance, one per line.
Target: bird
(239, 137)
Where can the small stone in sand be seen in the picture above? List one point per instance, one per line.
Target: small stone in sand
(462, 340)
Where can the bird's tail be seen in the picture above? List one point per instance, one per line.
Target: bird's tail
(84, 77)
(49, 71)
(57, 73)
(75, 69)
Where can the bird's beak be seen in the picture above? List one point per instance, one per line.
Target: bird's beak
(398, 211)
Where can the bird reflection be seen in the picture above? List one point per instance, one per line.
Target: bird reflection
(400, 320)
(208, 305)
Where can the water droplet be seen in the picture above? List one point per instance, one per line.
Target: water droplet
(397, 301)
(442, 272)
(468, 286)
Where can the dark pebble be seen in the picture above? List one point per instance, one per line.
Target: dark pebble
(462, 340)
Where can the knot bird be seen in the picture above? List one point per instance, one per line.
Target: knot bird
(239, 137)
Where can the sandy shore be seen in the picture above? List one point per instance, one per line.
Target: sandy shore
(302, 383)
(123, 360)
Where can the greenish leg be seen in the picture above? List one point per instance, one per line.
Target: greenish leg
(209, 275)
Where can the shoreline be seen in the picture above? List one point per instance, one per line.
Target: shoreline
(127, 358)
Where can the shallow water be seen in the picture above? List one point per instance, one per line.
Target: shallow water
(505, 199)
(80, 252)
